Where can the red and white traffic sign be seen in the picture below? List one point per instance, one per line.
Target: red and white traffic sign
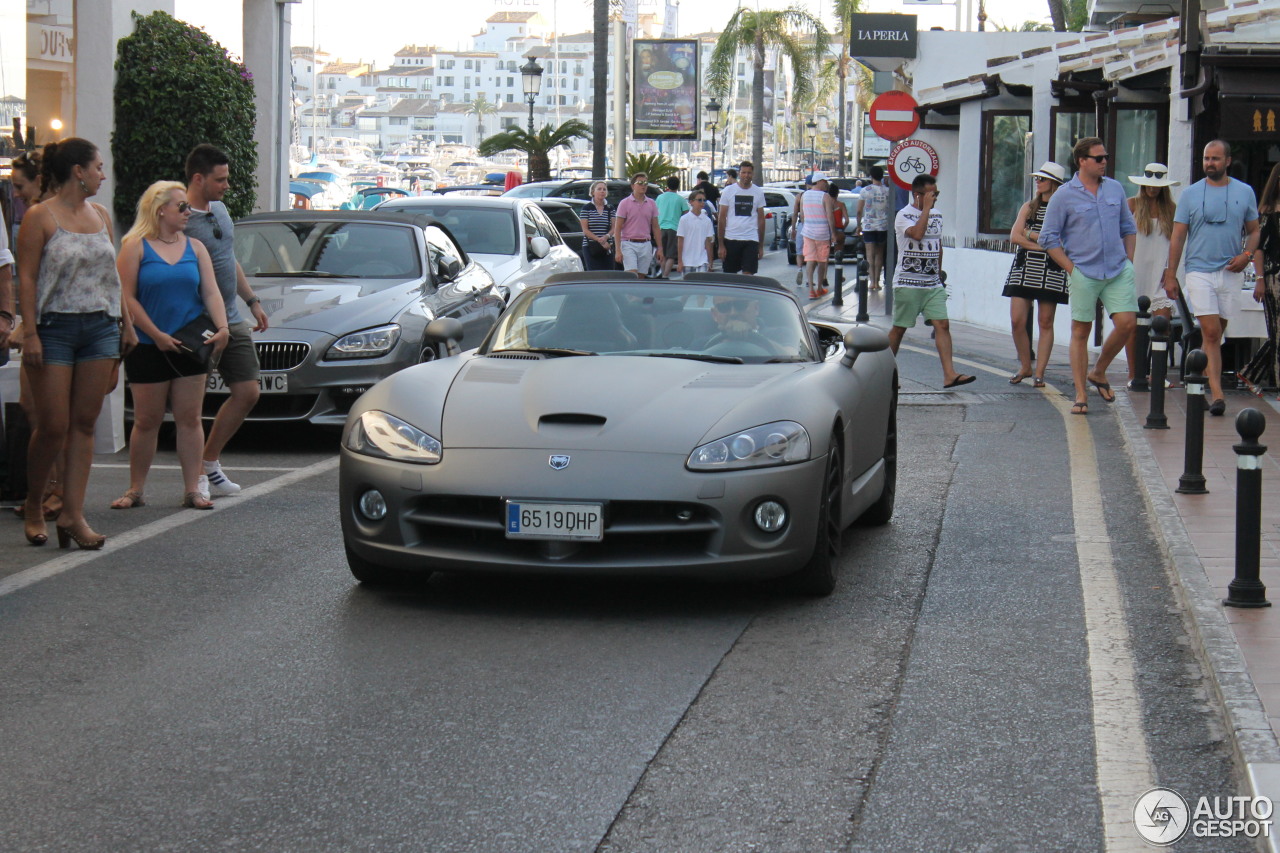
(910, 158)
(894, 116)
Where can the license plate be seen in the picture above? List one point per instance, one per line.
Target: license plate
(537, 520)
(268, 383)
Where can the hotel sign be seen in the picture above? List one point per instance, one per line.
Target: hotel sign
(883, 35)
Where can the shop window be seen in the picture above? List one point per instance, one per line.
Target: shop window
(1141, 136)
(1003, 179)
(1068, 126)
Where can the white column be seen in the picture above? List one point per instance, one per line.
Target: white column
(266, 55)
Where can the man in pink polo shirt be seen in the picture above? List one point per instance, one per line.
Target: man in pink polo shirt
(635, 229)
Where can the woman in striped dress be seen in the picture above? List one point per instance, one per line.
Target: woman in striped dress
(597, 223)
(1035, 277)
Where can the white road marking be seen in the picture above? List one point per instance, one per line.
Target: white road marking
(1122, 761)
(58, 565)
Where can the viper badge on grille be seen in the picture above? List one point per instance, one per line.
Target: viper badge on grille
(559, 463)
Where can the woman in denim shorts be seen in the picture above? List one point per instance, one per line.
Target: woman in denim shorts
(71, 346)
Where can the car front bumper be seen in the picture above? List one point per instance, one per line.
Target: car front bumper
(659, 518)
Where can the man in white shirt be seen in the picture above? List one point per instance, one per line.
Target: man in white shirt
(694, 235)
(741, 224)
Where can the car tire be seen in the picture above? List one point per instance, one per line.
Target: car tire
(818, 576)
(881, 511)
(372, 574)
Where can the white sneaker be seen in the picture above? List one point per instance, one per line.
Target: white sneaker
(202, 486)
(219, 484)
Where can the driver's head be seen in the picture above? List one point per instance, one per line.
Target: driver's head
(735, 315)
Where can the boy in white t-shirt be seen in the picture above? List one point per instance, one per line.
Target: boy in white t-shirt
(694, 234)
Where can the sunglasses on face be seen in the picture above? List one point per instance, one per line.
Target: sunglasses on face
(1150, 174)
(640, 184)
(739, 306)
(183, 207)
(1098, 158)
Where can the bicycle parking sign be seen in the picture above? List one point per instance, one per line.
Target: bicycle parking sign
(910, 158)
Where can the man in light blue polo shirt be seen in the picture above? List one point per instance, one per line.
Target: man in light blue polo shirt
(1089, 232)
(1214, 215)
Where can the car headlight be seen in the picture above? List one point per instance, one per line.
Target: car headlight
(778, 443)
(379, 434)
(371, 343)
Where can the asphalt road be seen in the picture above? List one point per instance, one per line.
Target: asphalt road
(216, 681)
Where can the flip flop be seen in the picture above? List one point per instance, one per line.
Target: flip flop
(1104, 388)
(1016, 379)
(1080, 407)
(1037, 382)
(961, 379)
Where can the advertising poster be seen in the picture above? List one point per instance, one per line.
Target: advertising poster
(664, 103)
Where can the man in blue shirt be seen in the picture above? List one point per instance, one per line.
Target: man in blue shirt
(1213, 215)
(1089, 232)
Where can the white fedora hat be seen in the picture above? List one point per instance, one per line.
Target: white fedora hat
(1052, 171)
(1154, 175)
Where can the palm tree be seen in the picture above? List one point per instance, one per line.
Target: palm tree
(755, 32)
(845, 10)
(1069, 15)
(538, 146)
(480, 108)
(600, 68)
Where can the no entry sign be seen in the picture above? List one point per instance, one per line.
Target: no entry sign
(894, 116)
(910, 158)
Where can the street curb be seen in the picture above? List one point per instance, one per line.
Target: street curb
(1254, 743)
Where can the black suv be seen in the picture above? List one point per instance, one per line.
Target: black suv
(579, 188)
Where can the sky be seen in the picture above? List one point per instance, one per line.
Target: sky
(381, 27)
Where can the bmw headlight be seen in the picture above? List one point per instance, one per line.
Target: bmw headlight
(371, 343)
(778, 443)
(379, 434)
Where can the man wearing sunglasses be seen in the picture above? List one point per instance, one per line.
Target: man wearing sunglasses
(1089, 232)
(635, 229)
(1213, 216)
(207, 183)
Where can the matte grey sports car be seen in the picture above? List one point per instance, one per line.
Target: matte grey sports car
(607, 425)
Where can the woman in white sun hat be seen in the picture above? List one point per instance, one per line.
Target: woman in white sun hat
(1153, 210)
(1035, 277)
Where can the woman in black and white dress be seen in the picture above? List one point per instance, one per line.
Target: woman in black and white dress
(1034, 277)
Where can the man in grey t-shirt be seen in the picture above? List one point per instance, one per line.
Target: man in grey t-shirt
(207, 183)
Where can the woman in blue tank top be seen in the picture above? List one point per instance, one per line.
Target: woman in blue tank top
(168, 281)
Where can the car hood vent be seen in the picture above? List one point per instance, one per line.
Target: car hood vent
(723, 380)
(500, 375)
(572, 419)
(517, 356)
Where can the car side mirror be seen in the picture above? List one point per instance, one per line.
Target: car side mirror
(447, 269)
(446, 331)
(540, 246)
(862, 339)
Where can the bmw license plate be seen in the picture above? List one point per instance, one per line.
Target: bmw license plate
(268, 383)
(538, 520)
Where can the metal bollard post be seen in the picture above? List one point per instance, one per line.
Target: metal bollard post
(1246, 588)
(1142, 343)
(1192, 481)
(863, 268)
(837, 292)
(1159, 366)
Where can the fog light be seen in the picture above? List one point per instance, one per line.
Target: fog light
(771, 516)
(374, 507)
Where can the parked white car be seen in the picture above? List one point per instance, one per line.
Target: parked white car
(512, 238)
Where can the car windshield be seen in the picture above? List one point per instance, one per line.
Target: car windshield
(538, 190)
(478, 230)
(327, 249)
(717, 323)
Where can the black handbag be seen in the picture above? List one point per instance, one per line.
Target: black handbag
(194, 338)
(595, 250)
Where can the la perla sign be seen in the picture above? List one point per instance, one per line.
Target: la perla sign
(882, 35)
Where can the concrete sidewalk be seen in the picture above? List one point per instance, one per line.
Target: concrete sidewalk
(1239, 648)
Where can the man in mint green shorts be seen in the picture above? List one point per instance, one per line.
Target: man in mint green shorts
(917, 283)
(1089, 232)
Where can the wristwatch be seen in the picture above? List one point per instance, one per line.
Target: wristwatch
(252, 301)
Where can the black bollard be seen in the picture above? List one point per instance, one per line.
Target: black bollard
(1192, 481)
(863, 268)
(1159, 366)
(1142, 345)
(837, 294)
(1246, 588)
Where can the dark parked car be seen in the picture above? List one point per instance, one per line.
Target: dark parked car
(348, 295)
(566, 215)
(579, 188)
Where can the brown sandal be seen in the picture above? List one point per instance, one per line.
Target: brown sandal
(195, 500)
(133, 498)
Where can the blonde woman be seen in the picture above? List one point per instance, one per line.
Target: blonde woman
(1152, 210)
(1034, 277)
(168, 282)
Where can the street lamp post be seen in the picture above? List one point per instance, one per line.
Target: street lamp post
(531, 75)
(713, 111)
(813, 138)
